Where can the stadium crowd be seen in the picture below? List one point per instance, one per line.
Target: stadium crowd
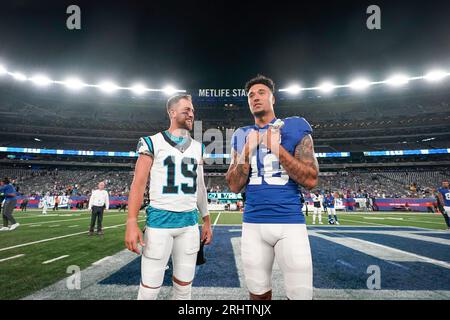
(379, 183)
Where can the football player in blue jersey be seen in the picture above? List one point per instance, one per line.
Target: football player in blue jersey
(271, 159)
(330, 201)
(444, 201)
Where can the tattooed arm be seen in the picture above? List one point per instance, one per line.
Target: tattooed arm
(303, 167)
(238, 172)
(239, 169)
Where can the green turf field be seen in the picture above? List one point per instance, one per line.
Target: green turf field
(63, 235)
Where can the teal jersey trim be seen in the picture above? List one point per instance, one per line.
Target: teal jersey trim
(177, 140)
(157, 218)
(149, 144)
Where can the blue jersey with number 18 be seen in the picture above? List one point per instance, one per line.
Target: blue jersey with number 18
(271, 196)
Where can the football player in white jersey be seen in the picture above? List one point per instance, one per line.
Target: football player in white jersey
(317, 200)
(45, 203)
(177, 193)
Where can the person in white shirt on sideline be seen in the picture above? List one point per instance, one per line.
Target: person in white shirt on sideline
(45, 203)
(98, 202)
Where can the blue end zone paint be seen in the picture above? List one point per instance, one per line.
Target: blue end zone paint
(128, 275)
(343, 228)
(423, 248)
(218, 271)
(335, 266)
(437, 235)
(329, 273)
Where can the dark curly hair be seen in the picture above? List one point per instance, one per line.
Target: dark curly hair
(260, 79)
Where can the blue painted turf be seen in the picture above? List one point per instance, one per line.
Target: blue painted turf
(339, 267)
(218, 271)
(437, 235)
(335, 266)
(423, 248)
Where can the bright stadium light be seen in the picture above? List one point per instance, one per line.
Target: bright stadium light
(108, 86)
(436, 75)
(3, 70)
(326, 87)
(73, 83)
(293, 89)
(41, 80)
(169, 90)
(360, 84)
(138, 89)
(398, 80)
(19, 76)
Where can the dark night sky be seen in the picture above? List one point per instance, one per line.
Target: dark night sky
(220, 44)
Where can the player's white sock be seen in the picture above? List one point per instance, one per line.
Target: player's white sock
(181, 292)
(314, 219)
(147, 293)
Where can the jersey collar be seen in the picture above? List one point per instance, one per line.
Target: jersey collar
(266, 126)
(183, 146)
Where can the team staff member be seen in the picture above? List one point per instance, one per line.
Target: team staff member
(98, 202)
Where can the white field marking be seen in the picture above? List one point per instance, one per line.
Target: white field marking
(35, 225)
(74, 226)
(13, 257)
(56, 238)
(429, 222)
(392, 218)
(101, 260)
(373, 218)
(397, 264)
(356, 221)
(40, 215)
(56, 225)
(56, 259)
(217, 219)
(384, 249)
(66, 220)
(345, 263)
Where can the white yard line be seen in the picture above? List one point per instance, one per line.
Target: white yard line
(56, 259)
(67, 220)
(357, 221)
(74, 226)
(13, 257)
(35, 225)
(217, 219)
(56, 238)
(56, 225)
(351, 242)
(101, 260)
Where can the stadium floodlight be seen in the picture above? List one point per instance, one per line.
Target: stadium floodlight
(398, 80)
(138, 89)
(108, 86)
(2, 70)
(169, 90)
(293, 89)
(73, 83)
(41, 80)
(436, 75)
(19, 76)
(326, 87)
(360, 84)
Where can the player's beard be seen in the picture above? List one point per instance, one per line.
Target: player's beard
(183, 125)
(259, 114)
